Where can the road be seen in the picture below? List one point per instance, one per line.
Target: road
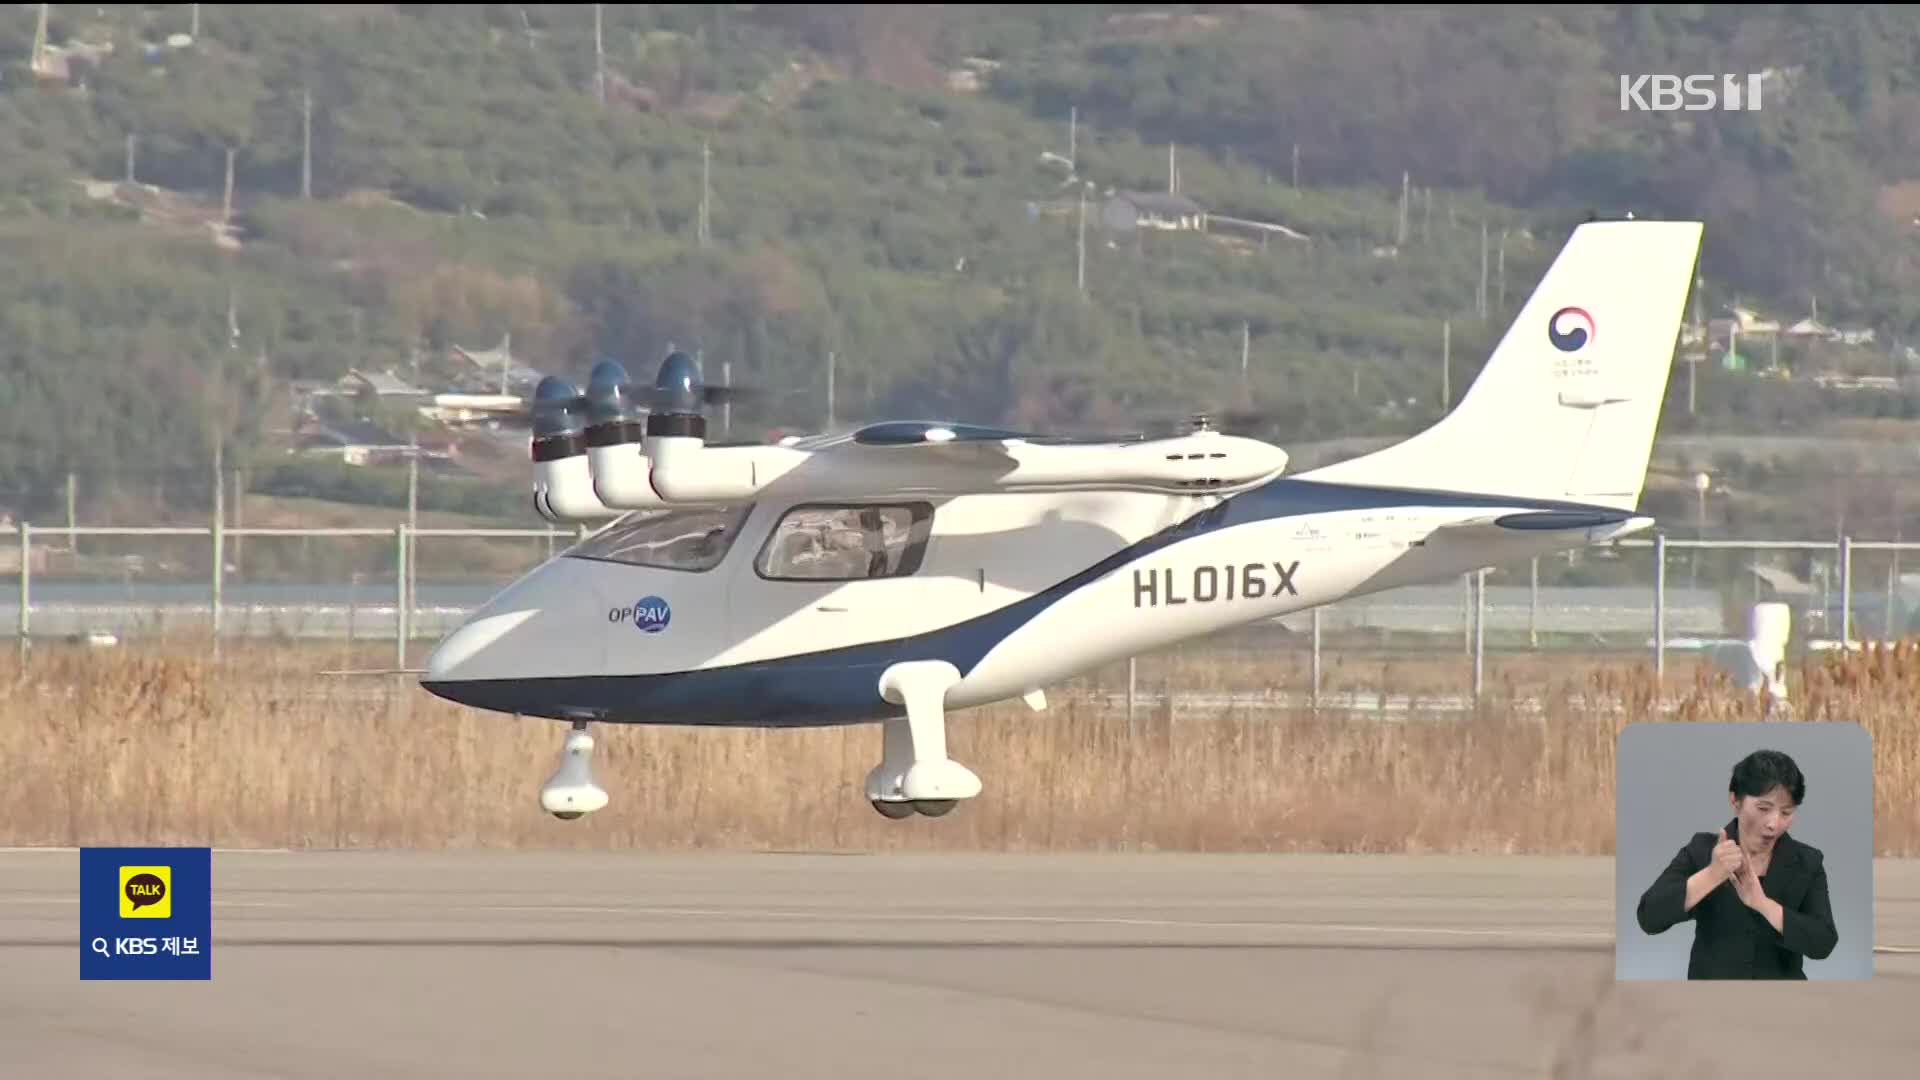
(402, 964)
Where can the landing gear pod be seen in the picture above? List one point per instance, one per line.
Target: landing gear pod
(562, 480)
(570, 793)
(613, 436)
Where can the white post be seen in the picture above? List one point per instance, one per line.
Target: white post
(1314, 698)
(1660, 608)
(219, 556)
(26, 586)
(400, 598)
(1846, 592)
(1080, 273)
(306, 144)
(1479, 628)
(1133, 674)
(1533, 606)
(1246, 349)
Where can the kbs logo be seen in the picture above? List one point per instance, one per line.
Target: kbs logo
(1693, 93)
(650, 614)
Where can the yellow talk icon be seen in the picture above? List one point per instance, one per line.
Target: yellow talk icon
(146, 892)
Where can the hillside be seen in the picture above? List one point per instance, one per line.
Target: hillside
(899, 188)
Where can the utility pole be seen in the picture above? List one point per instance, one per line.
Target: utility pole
(38, 63)
(1446, 366)
(706, 168)
(1481, 300)
(1081, 274)
(1400, 226)
(132, 139)
(829, 390)
(1246, 348)
(1700, 331)
(306, 143)
(1073, 139)
(726, 407)
(1296, 166)
(196, 22)
(599, 61)
(226, 203)
(1501, 274)
(1173, 171)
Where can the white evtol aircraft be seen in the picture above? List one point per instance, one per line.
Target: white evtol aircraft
(910, 568)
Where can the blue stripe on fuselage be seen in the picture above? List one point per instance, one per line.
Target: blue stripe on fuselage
(841, 685)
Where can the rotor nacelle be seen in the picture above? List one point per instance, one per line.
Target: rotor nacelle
(562, 478)
(616, 426)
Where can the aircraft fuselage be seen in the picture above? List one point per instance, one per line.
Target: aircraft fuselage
(1017, 591)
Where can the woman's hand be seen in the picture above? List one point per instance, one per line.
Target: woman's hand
(1747, 884)
(1728, 859)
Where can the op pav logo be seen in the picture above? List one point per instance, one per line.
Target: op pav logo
(146, 892)
(650, 614)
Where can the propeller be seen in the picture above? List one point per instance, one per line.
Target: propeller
(612, 407)
(1162, 425)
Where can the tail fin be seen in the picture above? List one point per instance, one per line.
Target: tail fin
(1566, 407)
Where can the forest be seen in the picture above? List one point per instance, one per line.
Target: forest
(902, 188)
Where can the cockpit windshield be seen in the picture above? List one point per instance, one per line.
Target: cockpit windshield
(681, 538)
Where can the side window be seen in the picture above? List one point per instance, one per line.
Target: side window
(689, 539)
(823, 542)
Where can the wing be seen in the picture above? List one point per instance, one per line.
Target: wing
(932, 432)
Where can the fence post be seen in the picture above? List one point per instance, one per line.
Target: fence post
(26, 585)
(1479, 629)
(1660, 608)
(1533, 605)
(1314, 698)
(400, 597)
(1466, 613)
(219, 567)
(1846, 592)
(1893, 574)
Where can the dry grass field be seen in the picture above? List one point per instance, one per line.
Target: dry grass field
(158, 744)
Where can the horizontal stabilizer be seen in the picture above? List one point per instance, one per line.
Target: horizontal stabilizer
(1600, 525)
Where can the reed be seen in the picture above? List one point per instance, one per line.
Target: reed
(164, 744)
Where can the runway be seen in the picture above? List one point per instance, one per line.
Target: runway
(857, 966)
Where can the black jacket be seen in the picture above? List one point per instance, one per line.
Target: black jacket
(1730, 939)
